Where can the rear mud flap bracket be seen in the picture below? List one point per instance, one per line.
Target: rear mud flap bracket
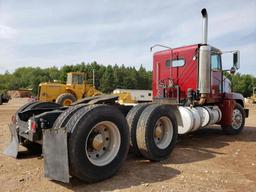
(13, 148)
(55, 154)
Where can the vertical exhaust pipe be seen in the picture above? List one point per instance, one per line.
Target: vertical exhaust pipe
(204, 68)
(205, 26)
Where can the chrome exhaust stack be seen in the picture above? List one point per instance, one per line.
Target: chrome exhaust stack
(205, 26)
(204, 71)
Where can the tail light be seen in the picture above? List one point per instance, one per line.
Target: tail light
(32, 125)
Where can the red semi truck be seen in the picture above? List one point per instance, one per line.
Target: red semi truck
(91, 138)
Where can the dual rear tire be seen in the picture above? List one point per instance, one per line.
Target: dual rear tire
(153, 131)
(98, 140)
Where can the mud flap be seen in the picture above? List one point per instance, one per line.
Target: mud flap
(13, 148)
(55, 154)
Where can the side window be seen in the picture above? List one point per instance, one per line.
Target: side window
(80, 79)
(175, 63)
(215, 62)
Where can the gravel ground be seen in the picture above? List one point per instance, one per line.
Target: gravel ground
(207, 160)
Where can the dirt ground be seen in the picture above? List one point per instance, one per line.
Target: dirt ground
(204, 161)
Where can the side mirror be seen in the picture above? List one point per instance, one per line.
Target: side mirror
(236, 59)
(232, 70)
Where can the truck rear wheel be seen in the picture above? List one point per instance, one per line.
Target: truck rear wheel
(132, 119)
(157, 132)
(66, 99)
(98, 143)
(238, 120)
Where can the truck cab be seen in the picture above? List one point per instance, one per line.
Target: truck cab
(176, 74)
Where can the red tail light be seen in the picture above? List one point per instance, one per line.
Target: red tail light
(33, 126)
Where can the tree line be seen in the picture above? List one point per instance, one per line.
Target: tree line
(242, 83)
(107, 78)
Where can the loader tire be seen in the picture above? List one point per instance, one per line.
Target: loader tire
(132, 119)
(66, 99)
(98, 143)
(238, 120)
(63, 119)
(156, 132)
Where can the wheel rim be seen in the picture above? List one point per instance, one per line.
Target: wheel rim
(237, 119)
(102, 143)
(163, 132)
(67, 102)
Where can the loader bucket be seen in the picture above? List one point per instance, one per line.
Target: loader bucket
(55, 154)
(13, 147)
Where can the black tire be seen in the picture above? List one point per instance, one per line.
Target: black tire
(132, 120)
(232, 130)
(64, 97)
(81, 125)
(62, 120)
(146, 132)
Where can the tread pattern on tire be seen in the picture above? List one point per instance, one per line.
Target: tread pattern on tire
(143, 134)
(61, 98)
(132, 119)
(62, 120)
(72, 122)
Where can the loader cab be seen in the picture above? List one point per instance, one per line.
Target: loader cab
(75, 78)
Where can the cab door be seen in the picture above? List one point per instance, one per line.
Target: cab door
(216, 76)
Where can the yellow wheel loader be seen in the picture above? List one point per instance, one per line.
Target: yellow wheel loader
(75, 89)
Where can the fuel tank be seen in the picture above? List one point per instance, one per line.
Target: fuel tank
(194, 118)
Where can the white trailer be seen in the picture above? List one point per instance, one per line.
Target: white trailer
(138, 96)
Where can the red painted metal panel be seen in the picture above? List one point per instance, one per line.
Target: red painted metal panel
(226, 108)
(185, 76)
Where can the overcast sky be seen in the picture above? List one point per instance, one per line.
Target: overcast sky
(49, 33)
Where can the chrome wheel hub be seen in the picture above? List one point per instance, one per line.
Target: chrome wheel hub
(163, 132)
(102, 143)
(237, 119)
